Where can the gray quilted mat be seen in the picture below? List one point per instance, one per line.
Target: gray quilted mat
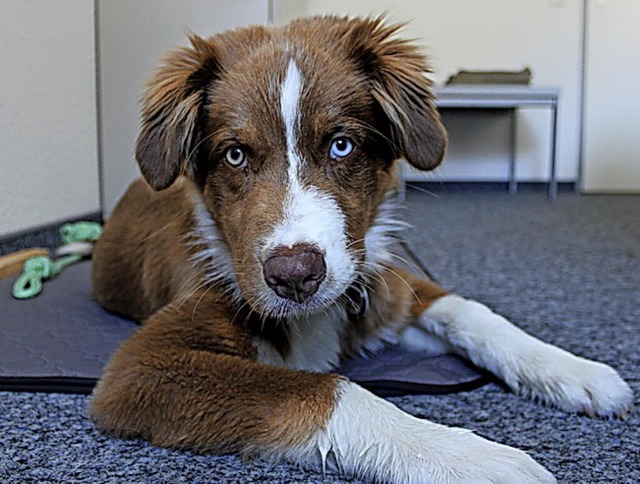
(395, 372)
(60, 341)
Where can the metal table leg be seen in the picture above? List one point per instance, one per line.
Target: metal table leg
(553, 183)
(513, 184)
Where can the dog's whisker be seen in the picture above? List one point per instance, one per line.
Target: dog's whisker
(195, 307)
(417, 188)
(160, 230)
(373, 130)
(406, 283)
(188, 160)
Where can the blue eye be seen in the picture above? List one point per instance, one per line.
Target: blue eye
(341, 147)
(235, 156)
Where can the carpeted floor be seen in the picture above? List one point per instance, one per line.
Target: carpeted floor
(568, 272)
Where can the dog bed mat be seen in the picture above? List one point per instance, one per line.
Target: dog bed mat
(60, 341)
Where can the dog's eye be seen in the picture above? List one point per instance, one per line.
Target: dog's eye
(235, 156)
(341, 147)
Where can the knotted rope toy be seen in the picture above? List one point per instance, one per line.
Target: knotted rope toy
(41, 268)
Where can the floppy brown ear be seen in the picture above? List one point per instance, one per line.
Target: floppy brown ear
(172, 111)
(397, 71)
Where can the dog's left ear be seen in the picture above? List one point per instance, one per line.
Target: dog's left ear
(172, 112)
(397, 71)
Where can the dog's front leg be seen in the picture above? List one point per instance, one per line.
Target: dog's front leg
(187, 380)
(529, 366)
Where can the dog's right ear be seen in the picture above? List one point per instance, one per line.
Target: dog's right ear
(172, 113)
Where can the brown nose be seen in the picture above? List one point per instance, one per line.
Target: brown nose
(295, 272)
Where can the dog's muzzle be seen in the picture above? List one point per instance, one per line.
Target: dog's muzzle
(296, 272)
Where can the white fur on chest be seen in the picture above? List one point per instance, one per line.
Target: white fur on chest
(315, 342)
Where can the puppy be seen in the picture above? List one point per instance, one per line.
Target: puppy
(257, 253)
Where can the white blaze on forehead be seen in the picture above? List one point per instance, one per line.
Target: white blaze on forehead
(310, 215)
(290, 109)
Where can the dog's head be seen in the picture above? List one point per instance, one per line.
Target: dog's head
(292, 133)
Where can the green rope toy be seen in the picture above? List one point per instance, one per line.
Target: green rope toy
(41, 268)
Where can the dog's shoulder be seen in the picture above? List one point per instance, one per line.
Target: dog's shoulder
(145, 254)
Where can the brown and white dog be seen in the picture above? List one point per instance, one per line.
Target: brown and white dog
(265, 220)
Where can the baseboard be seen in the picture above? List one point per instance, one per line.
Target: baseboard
(46, 236)
(483, 186)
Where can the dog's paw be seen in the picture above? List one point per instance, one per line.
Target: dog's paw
(469, 458)
(529, 366)
(372, 438)
(426, 452)
(575, 384)
(454, 455)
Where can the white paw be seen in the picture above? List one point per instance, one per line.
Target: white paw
(573, 383)
(469, 458)
(372, 438)
(529, 366)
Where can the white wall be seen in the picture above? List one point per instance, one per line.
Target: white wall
(134, 35)
(491, 34)
(48, 147)
(612, 99)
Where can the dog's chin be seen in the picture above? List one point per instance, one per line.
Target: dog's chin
(280, 308)
(271, 305)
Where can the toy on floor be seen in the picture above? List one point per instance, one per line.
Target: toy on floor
(78, 241)
(12, 264)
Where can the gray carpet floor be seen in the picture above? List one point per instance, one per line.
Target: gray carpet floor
(567, 272)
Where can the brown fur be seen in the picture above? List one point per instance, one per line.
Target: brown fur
(190, 378)
(187, 379)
